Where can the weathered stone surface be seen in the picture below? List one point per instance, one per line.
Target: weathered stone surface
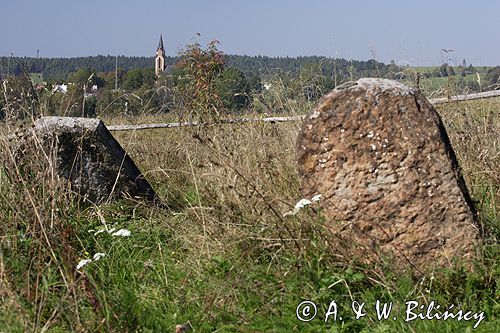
(378, 153)
(91, 159)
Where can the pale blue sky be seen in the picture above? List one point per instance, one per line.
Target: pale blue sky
(406, 31)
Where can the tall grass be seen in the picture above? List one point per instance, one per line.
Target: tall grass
(38, 247)
(222, 257)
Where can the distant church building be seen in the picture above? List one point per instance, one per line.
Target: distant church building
(160, 58)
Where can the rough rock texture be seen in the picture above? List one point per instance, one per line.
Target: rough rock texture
(91, 159)
(378, 153)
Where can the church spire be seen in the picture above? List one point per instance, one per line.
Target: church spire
(160, 44)
(160, 57)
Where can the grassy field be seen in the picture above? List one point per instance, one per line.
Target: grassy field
(448, 86)
(445, 86)
(428, 69)
(222, 258)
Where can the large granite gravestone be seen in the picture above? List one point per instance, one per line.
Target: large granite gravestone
(95, 164)
(378, 153)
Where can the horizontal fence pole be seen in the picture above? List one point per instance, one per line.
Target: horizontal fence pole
(197, 123)
(486, 94)
(435, 101)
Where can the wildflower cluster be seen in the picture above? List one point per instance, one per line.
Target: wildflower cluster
(113, 232)
(301, 204)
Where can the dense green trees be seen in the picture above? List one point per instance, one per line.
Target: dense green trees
(59, 68)
(137, 77)
(85, 78)
(56, 69)
(233, 89)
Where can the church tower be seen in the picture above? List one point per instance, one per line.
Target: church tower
(160, 58)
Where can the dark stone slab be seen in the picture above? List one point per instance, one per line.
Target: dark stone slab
(95, 164)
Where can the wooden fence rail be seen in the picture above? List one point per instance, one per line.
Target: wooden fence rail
(435, 101)
(196, 123)
(486, 94)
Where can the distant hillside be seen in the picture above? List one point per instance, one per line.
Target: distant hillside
(59, 68)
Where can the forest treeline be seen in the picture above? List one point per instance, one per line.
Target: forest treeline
(54, 69)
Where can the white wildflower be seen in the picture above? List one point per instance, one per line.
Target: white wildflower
(83, 262)
(98, 256)
(316, 198)
(122, 232)
(301, 204)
